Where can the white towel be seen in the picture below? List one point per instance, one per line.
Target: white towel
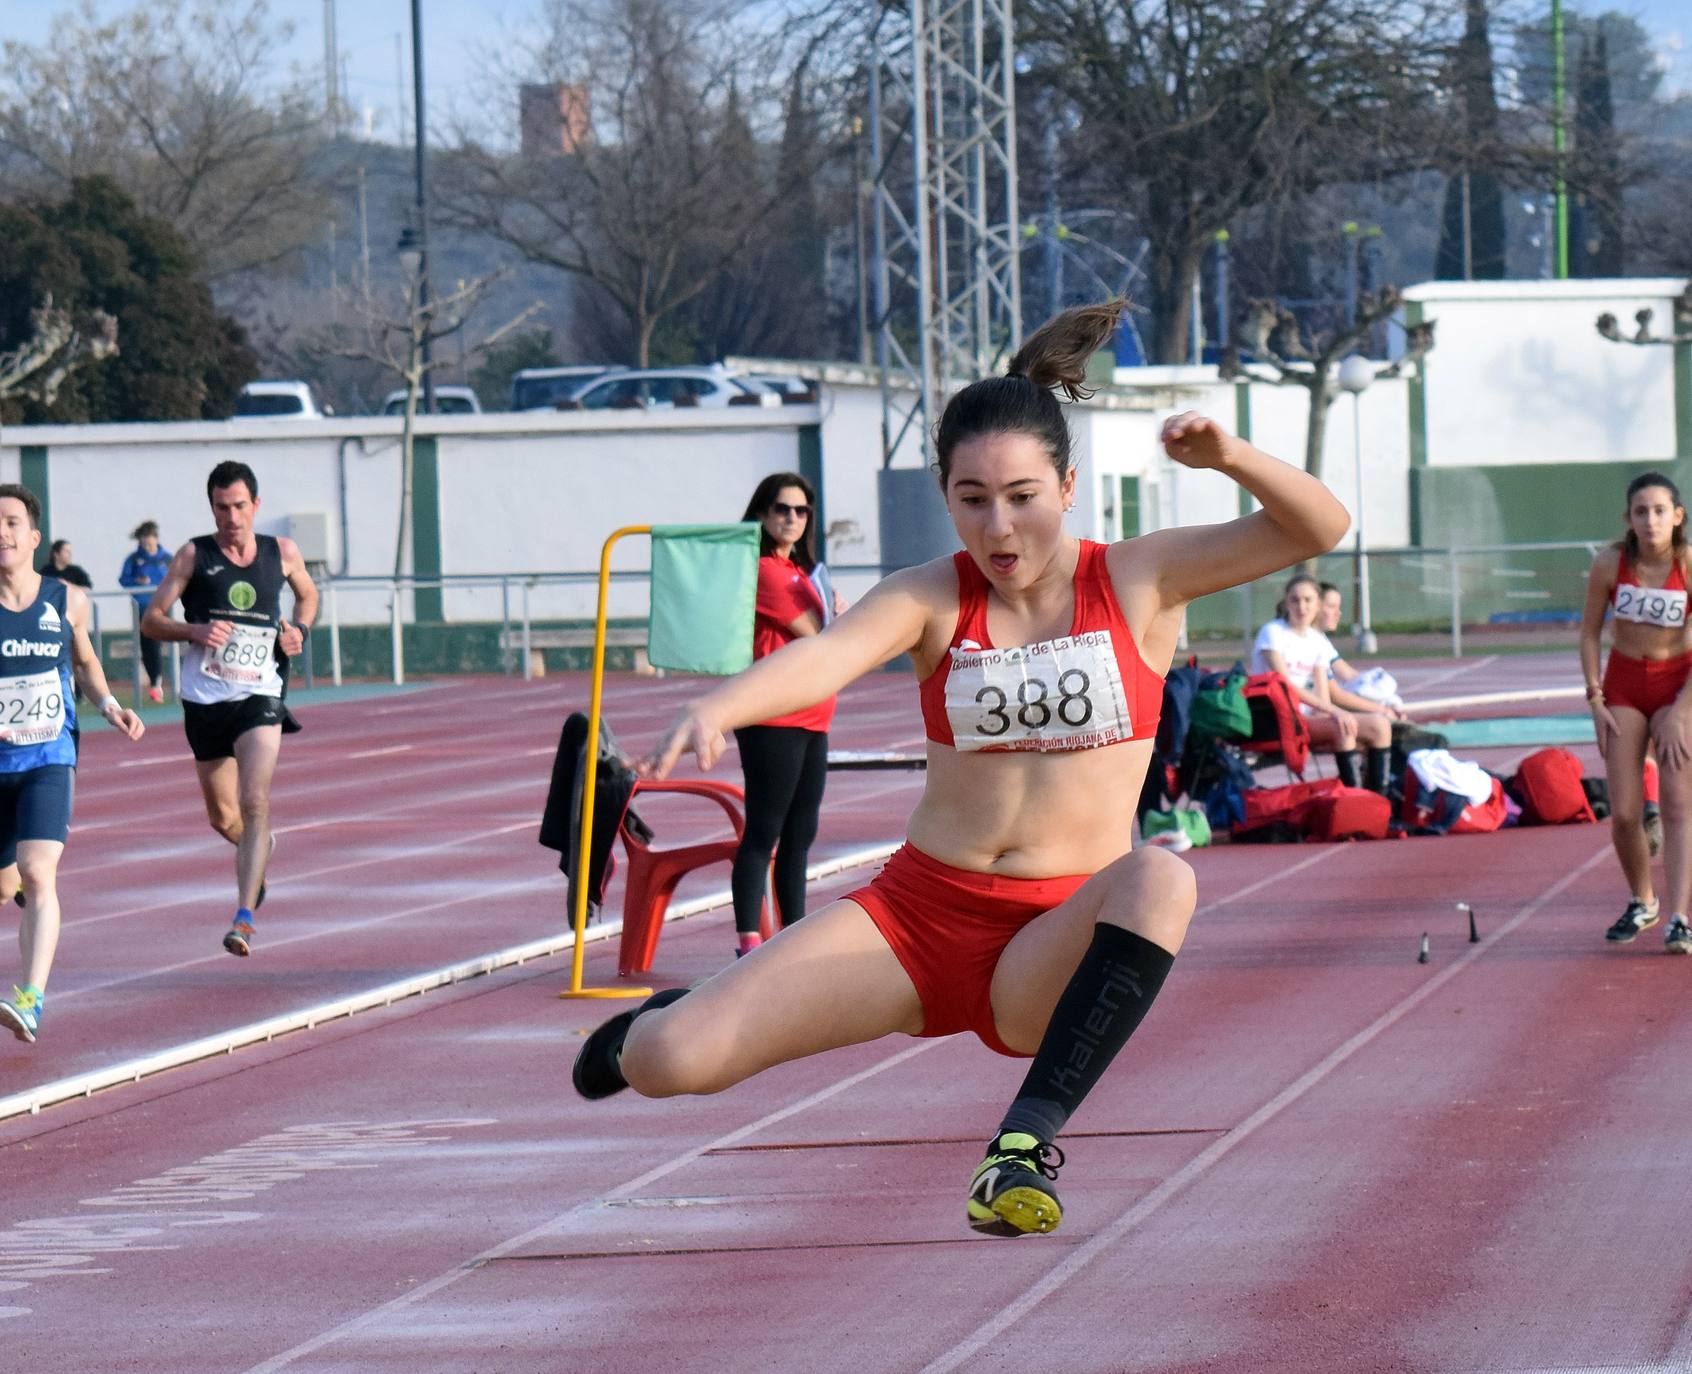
(1440, 772)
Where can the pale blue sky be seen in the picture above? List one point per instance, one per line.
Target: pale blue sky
(455, 33)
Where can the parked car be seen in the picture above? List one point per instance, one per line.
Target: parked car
(279, 401)
(541, 388)
(449, 400)
(656, 388)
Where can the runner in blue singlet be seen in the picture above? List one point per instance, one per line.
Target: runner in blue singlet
(44, 646)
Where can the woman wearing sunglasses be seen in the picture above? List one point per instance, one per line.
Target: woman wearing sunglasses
(786, 758)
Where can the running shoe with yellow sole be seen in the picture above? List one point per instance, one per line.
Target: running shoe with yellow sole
(22, 1015)
(1011, 1193)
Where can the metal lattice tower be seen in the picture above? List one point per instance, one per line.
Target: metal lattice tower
(942, 124)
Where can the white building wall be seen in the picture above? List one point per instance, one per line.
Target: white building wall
(1520, 374)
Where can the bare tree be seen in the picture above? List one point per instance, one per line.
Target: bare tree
(1188, 112)
(56, 346)
(176, 103)
(1280, 356)
(662, 180)
(397, 343)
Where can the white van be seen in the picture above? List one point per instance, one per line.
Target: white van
(449, 400)
(279, 401)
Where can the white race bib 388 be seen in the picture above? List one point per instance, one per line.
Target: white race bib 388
(1058, 694)
(32, 708)
(1651, 606)
(245, 659)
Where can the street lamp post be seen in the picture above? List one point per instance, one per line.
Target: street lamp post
(422, 224)
(1355, 374)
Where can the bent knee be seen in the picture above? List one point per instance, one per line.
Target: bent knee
(1153, 879)
(664, 1059)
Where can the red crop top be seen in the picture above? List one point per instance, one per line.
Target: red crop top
(1662, 607)
(1085, 690)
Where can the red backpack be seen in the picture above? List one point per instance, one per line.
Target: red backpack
(1350, 814)
(1276, 722)
(1547, 784)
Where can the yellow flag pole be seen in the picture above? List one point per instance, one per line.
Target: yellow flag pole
(590, 777)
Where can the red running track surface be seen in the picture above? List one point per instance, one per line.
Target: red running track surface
(1317, 1154)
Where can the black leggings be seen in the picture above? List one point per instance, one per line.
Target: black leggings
(785, 771)
(150, 659)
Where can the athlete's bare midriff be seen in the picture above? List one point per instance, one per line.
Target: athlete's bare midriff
(1030, 815)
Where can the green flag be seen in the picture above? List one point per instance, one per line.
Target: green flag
(704, 596)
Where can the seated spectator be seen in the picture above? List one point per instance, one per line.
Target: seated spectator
(1294, 647)
(59, 565)
(1373, 691)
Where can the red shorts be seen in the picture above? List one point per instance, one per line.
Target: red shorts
(1647, 685)
(948, 926)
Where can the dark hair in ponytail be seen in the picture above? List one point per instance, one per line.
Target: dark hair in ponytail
(1297, 580)
(1630, 541)
(1024, 401)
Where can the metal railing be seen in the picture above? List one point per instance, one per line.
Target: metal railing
(1453, 592)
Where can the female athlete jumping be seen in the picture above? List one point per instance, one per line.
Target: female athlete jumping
(1015, 909)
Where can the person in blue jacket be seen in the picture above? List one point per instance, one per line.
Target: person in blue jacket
(145, 569)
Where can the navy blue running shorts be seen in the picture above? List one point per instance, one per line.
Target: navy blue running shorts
(35, 805)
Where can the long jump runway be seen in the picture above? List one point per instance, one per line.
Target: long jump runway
(1317, 1154)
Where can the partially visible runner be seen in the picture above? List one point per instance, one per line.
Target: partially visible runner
(1641, 699)
(43, 642)
(230, 585)
(785, 760)
(1015, 910)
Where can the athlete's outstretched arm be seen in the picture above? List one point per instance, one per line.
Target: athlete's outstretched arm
(85, 664)
(1300, 517)
(886, 623)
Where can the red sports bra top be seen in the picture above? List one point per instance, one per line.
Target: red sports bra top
(1084, 690)
(1663, 607)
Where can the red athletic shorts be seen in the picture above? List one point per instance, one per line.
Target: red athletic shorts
(1647, 685)
(948, 926)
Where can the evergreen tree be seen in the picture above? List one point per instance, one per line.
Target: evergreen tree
(178, 359)
(1595, 230)
(1474, 200)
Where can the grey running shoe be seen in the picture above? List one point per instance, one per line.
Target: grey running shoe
(1653, 828)
(1638, 916)
(1678, 939)
(239, 940)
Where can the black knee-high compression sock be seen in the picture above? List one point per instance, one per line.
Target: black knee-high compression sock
(1378, 770)
(1106, 999)
(1346, 762)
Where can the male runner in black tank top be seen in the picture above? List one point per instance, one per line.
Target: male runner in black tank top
(230, 585)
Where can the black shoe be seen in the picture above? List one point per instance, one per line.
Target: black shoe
(1636, 918)
(1011, 1192)
(597, 1072)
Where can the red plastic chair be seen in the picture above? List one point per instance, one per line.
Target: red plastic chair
(654, 873)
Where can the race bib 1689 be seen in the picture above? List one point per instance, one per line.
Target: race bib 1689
(1058, 694)
(245, 659)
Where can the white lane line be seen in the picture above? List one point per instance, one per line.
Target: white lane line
(1470, 667)
(1031, 1297)
(563, 1219)
(378, 753)
(152, 762)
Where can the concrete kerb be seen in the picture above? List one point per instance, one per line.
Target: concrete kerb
(30, 1101)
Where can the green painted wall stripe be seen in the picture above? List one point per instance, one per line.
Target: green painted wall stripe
(1683, 400)
(33, 474)
(1242, 427)
(426, 527)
